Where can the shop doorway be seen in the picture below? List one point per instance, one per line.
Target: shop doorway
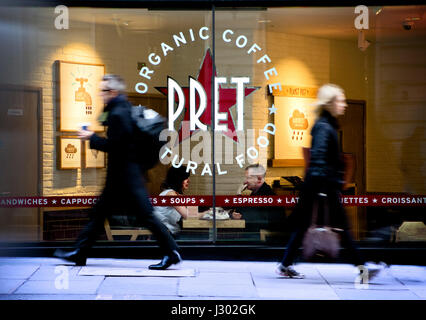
(352, 140)
(20, 160)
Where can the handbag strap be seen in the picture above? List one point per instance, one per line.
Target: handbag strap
(316, 208)
(326, 212)
(314, 212)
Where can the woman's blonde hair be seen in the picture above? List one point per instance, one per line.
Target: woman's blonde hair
(326, 94)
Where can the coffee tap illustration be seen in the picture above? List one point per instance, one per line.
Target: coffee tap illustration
(82, 95)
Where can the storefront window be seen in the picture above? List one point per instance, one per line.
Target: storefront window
(376, 55)
(237, 87)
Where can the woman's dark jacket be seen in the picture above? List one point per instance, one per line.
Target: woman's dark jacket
(324, 175)
(326, 167)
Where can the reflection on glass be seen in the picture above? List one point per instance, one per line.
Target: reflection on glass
(263, 77)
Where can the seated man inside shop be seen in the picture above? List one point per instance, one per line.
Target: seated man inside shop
(269, 218)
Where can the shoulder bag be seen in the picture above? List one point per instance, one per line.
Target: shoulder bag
(323, 240)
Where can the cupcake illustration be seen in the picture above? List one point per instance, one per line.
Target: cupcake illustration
(299, 124)
(70, 151)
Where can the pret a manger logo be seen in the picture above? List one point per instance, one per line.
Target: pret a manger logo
(208, 110)
(195, 101)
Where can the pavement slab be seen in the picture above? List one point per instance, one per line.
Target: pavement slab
(219, 278)
(214, 290)
(296, 292)
(144, 286)
(368, 294)
(11, 271)
(135, 272)
(421, 293)
(48, 297)
(9, 286)
(52, 279)
(49, 272)
(57, 286)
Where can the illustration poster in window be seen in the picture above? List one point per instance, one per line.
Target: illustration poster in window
(294, 119)
(69, 153)
(78, 95)
(93, 158)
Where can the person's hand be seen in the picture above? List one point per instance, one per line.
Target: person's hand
(201, 214)
(85, 134)
(241, 189)
(236, 215)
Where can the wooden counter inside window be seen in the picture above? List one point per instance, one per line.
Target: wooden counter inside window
(208, 224)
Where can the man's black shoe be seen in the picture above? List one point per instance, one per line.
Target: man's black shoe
(74, 256)
(167, 261)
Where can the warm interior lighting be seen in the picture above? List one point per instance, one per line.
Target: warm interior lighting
(295, 115)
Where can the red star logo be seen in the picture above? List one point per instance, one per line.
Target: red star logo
(227, 100)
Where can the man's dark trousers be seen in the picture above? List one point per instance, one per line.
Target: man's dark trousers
(135, 202)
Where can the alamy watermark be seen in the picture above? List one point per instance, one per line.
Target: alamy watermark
(361, 281)
(196, 150)
(62, 20)
(62, 280)
(361, 21)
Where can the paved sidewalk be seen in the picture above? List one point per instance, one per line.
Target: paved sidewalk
(35, 279)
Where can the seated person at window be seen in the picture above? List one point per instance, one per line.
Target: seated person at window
(255, 181)
(176, 182)
(270, 218)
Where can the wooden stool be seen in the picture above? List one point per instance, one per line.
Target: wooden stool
(133, 233)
